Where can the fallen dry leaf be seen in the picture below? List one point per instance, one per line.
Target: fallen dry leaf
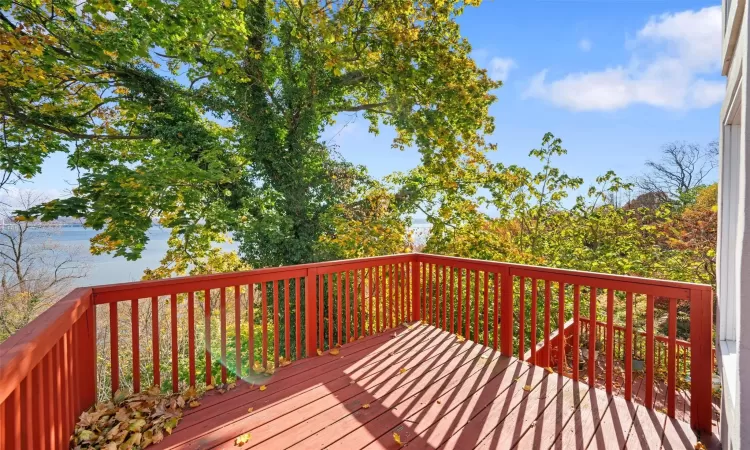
(365, 406)
(194, 404)
(210, 387)
(397, 438)
(549, 369)
(527, 388)
(460, 338)
(334, 351)
(320, 352)
(402, 370)
(262, 388)
(242, 439)
(700, 446)
(250, 409)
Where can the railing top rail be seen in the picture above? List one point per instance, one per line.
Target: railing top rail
(577, 273)
(24, 349)
(142, 289)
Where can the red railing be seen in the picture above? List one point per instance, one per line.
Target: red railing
(260, 320)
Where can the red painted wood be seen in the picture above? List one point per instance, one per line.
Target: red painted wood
(348, 325)
(576, 331)
(114, 346)
(237, 334)
(445, 299)
(547, 319)
(370, 300)
(155, 336)
(287, 322)
(476, 306)
(276, 328)
(330, 310)
(451, 301)
(495, 312)
(430, 294)
(297, 319)
(628, 345)
(459, 301)
(561, 358)
(207, 333)
(522, 318)
(310, 322)
(649, 351)
(264, 323)
(467, 321)
(534, 315)
(590, 363)
(223, 332)
(486, 309)
(610, 339)
(251, 326)
(672, 358)
(339, 301)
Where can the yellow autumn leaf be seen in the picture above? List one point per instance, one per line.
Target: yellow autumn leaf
(334, 351)
(210, 387)
(242, 439)
(262, 388)
(460, 338)
(549, 369)
(320, 352)
(402, 370)
(194, 404)
(250, 409)
(527, 388)
(397, 438)
(365, 406)
(700, 446)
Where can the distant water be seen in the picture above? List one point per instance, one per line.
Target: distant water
(107, 269)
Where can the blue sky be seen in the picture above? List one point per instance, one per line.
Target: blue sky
(615, 79)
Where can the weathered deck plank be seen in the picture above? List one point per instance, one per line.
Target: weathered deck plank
(452, 395)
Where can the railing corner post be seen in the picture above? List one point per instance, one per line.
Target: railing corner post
(506, 312)
(416, 287)
(701, 367)
(310, 317)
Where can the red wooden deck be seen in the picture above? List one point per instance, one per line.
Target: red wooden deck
(434, 392)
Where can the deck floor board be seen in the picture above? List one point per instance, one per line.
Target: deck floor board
(434, 392)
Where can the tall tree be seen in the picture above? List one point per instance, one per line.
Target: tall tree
(228, 137)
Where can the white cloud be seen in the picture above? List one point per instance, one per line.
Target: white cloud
(670, 59)
(585, 45)
(499, 68)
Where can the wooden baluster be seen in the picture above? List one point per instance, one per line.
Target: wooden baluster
(339, 301)
(547, 320)
(593, 327)
(649, 351)
(672, 358)
(495, 312)
(330, 310)
(135, 336)
(476, 306)
(321, 303)
(383, 295)
(276, 329)
(561, 356)
(371, 290)
(264, 322)
(297, 318)
(237, 335)
(191, 337)
(114, 348)
(207, 334)
(348, 325)
(485, 329)
(251, 325)
(445, 300)
(467, 322)
(534, 315)
(223, 332)
(155, 335)
(459, 300)
(576, 330)
(392, 296)
(610, 338)
(628, 345)
(430, 290)
(287, 323)
(311, 279)
(451, 300)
